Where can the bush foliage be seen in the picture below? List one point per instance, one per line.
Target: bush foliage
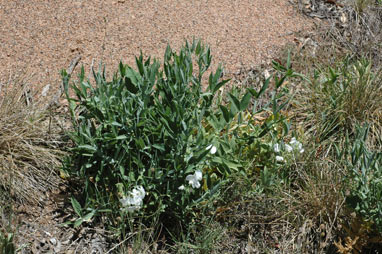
(155, 128)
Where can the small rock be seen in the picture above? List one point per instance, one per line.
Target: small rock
(45, 90)
(53, 241)
(266, 74)
(343, 18)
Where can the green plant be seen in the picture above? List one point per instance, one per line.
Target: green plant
(365, 174)
(6, 243)
(154, 142)
(143, 128)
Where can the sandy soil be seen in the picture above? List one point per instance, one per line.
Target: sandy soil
(40, 37)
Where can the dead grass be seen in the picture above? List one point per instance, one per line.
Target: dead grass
(30, 144)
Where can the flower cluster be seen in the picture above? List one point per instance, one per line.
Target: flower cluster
(293, 145)
(134, 200)
(296, 145)
(194, 179)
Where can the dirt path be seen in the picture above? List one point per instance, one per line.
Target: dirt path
(41, 37)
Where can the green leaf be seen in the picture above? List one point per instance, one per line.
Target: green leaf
(88, 217)
(264, 87)
(235, 103)
(131, 80)
(88, 148)
(76, 206)
(245, 101)
(253, 92)
(120, 137)
(159, 147)
(199, 156)
(232, 165)
(219, 85)
(225, 112)
(122, 69)
(78, 222)
(122, 170)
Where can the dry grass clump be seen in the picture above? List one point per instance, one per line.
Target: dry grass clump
(359, 31)
(352, 28)
(342, 60)
(340, 97)
(302, 218)
(30, 143)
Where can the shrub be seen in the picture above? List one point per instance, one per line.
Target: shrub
(153, 141)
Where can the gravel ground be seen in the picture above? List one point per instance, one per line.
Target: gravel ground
(41, 37)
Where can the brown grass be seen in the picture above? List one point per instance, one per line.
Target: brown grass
(30, 141)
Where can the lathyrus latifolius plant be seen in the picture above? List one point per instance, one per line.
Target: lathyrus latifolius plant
(152, 140)
(364, 179)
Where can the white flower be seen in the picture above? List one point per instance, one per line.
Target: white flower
(194, 179)
(288, 148)
(212, 149)
(181, 187)
(131, 204)
(276, 148)
(139, 192)
(279, 158)
(134, 200)
(296, 145)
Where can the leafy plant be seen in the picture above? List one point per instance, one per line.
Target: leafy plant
(154, 140)
(365, 174)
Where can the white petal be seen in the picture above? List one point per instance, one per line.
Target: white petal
(141, 192)
(181, 187)
(192, 182)
(208, 147)
(198, 175)
(276, 148)
(136, 201)
(196, 185)
(288, 148)
(213, 150)
(293, 141)
(279, 158)
(190, 178)
(194, 179)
